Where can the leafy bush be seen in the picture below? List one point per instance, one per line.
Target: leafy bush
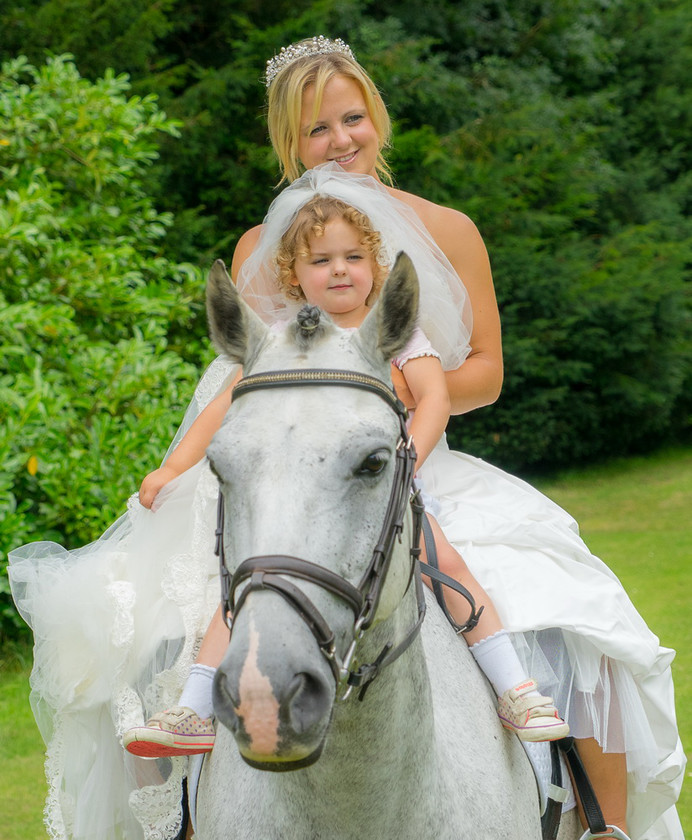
(96, 354)
(595, 309)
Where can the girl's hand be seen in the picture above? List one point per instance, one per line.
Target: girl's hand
(153, 483)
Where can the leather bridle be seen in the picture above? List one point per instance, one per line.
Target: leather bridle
(271, 572)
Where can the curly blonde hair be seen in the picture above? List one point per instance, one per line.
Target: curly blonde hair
(311, 220)
(285, 103)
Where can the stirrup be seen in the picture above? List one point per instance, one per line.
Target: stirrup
(616, 833)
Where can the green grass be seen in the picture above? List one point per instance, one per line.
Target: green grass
(633, 513)
(22, 783)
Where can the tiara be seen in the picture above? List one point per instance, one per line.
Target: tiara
(319, 45)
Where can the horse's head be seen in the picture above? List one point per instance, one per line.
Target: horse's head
(307, 477)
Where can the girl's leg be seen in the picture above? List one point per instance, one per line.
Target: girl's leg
(451, 563)
(522, 709)
(187, 728)
(215, 642)
(197, 689)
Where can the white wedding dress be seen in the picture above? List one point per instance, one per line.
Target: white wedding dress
(118, 623)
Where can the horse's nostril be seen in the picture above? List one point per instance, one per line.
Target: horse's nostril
(308, 700)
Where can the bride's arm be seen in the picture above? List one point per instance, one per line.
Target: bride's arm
(478, 381)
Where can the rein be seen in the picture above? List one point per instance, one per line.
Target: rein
(270, 572)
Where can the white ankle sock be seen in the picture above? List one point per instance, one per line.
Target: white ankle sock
(499, 662)
(197, 690)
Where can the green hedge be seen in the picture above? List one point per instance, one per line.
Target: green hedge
(95, 356)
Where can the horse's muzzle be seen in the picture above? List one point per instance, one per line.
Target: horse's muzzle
(277, 707)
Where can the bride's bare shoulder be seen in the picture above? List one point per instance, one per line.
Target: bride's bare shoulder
(449, 228)
(246, 245)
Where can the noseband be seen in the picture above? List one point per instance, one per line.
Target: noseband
(271, 572)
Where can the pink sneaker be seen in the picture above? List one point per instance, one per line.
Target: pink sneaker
(177, 731)
(533, 718)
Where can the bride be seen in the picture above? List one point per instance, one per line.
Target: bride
(118, 623)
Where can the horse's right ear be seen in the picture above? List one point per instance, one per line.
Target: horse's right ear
(390, 324)
(235, 329)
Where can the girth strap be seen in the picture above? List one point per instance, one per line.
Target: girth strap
(550, 821)
(550, 824)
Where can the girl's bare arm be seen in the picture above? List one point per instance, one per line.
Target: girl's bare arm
(191, 448)
(426, 383)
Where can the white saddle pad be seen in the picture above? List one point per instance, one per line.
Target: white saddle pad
(539, 756)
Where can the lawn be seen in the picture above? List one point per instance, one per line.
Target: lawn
(634, 513)
(22, 784)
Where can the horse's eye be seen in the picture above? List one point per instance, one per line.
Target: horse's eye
(373, 464)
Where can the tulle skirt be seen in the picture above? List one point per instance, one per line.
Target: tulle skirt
(116, 626)
(118, 623)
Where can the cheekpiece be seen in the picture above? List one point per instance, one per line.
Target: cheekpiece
(319, 45)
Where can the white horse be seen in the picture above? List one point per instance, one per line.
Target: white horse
(307, 473)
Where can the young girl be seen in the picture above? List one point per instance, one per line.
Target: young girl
(330, 256)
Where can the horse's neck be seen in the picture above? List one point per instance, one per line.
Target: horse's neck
(393, 765)
(399, 700)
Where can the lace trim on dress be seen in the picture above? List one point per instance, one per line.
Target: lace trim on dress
(420, 355)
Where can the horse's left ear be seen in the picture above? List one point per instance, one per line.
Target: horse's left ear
(234, 328)
(389, 326)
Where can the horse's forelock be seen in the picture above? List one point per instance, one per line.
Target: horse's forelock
(309, 327)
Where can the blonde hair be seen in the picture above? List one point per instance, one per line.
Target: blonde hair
(285, 103)
(311, 220)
